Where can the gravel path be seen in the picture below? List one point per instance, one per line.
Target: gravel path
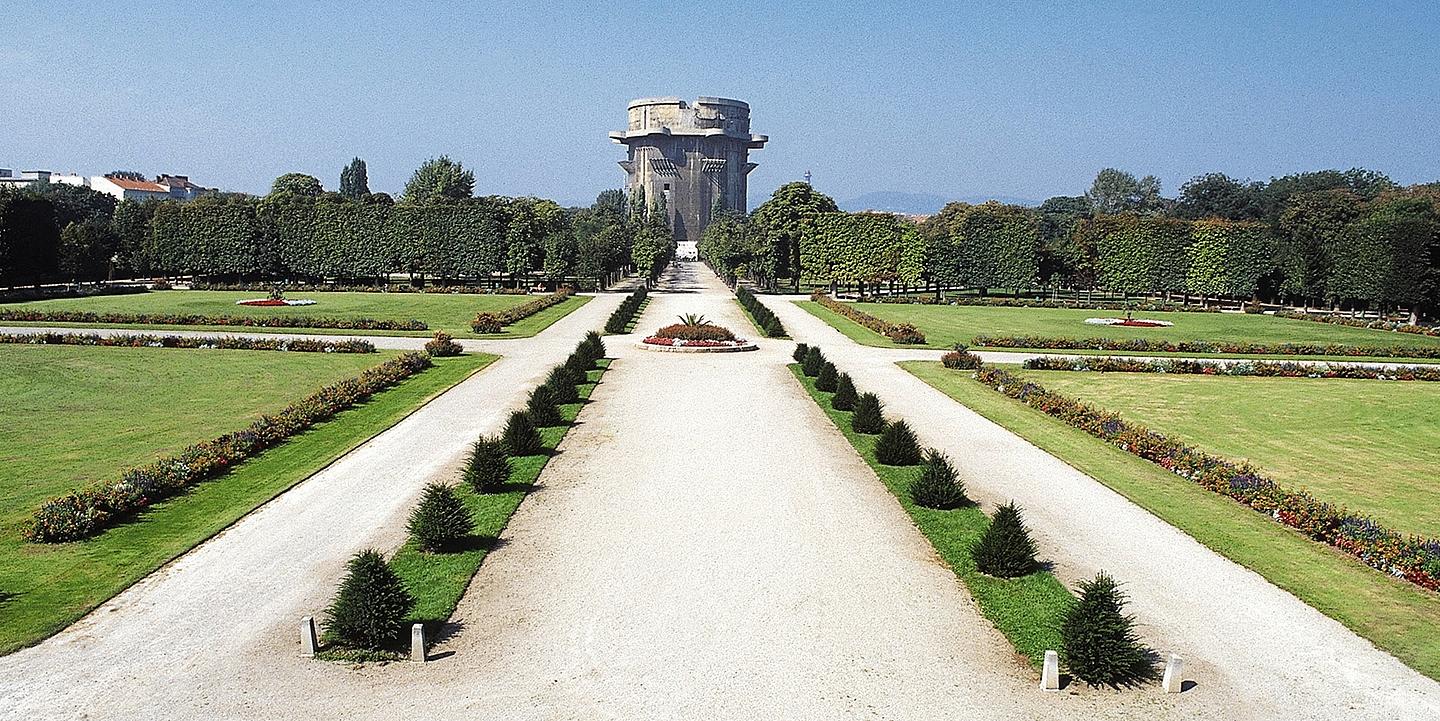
(200, 637)
(1254, 650)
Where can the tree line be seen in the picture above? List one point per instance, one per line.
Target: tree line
(437, 232)
(1345, 239)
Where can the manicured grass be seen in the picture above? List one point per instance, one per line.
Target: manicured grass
(106, 419)
(1391, 613)
(1368, 445)
(451, 313)
(945, 326)
(1027, 609)
(438, 580)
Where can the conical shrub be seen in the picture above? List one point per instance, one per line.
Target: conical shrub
(521, 436)
(868, 418)
(488, 467)
(1005, 549)
(814, 359)
(1099, 643)
(370, 607)
(845, 396)
(561, 384)
(440, 519)
(897, 445)
(938, 486)
(542, 407)
(800, 350)
(579, 362)
(594, 346)
(828, 379)
(772, 327)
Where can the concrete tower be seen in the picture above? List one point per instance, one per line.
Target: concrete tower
(691, 154)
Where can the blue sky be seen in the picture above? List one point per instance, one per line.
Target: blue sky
(952, 98)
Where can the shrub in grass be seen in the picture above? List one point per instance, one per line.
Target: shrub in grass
(488, 466)
(814, 359)
(521, 437)
(487, 323)
(868, 418)
(897, 445)
(443, 345)
(960, 358)
(561, 382)
(800, 350)
(593, 346)
(938, 486)
(845, 396)
(580, 361)
(828, 379)
(440, 519)
(542, 409)
(1005, 549)
(1100, 646)
(369, 610)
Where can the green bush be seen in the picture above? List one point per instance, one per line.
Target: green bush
(938, 486)
(772, 328)
(625, 312)
(845, 396)
(542, 408)
(561, 382)
(1005, 549)
(828, 379)
(488, 467)
(593, 346)
(521, 437)
(800, 350)
(487, 323)
(369, 610)
(440, 519)
(869, 417)
(443, 345)
(579, 362)
(1100, 644)
(814, 359)
(897, 445)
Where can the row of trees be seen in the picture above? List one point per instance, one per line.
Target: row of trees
(1350, 239)
(435, 231)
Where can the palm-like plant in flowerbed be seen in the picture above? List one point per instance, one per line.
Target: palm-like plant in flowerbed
(693, 329)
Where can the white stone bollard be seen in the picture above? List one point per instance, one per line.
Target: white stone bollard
(417, 642)
(308, 643)
(1050, 675)
(1174, 681)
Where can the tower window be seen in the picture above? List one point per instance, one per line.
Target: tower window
(667, 186)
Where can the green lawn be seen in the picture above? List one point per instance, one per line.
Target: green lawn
(79, 414)
(1393, 614)
(1027, 610)
(1369, 445)
(945, 326)
(451, 313)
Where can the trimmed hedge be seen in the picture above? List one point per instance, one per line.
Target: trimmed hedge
(140, 340)
(902, 333)
(1413, 558)
(625, 312)
(765, 319)
(1269, 369)
(494, 322)
(1375, 324)
(260, 321)
(292, 287)
(81, 513)
(1146, 306)
(1145, 345)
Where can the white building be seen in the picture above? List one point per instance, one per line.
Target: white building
(127, 189)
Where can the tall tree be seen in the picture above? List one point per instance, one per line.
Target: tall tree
(354, 180)
(439, 180)
(782, 219)
(1116, 191)
(1366, 184)
(86, 250)
(297, 185)
(1309, 228)
(1060, 258)
(28, 238)
(1217, 195)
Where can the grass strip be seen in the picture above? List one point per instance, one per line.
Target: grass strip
(50, 587)
(759, 332)
(1028, 610)
(1392, 613)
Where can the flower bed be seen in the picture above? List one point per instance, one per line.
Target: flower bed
(274, 302)
(495, 322)
(902, 333)
(1372, 324)
(1270, 369)
(355, 288)
(1129, 322)
(961, 359)
(262, 321)
(298, 345)
(1147, 306)
(1413, 558)
(694, 332)
(1145, 345)
(679, 342)
(89, 510)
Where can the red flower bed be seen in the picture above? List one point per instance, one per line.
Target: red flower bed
(1414, 558)
(266, 303)
(681, 331)
(1390, 325)
(1145, 345)
(695, 343)
(252, 321)
(1132, 323)
(1269, 369)
(298, 345)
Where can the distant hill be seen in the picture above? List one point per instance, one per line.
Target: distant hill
(919, 203)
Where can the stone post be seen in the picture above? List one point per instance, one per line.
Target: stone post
(1174, 681)
(1050, 675)
(417, 642)
(308, 642)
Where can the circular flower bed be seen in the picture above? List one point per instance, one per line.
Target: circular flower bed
(694, 334)
(272, 302)
(1129, 322)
